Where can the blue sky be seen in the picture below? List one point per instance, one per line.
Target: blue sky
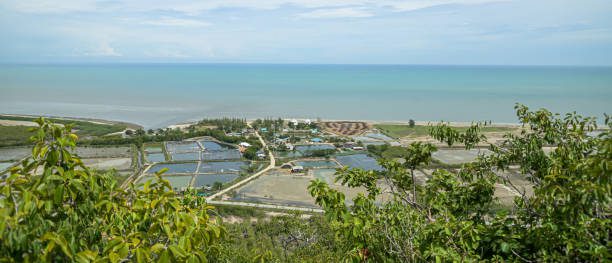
(500, 32)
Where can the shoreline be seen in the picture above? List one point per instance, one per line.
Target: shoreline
(130, 125)
(185, 124)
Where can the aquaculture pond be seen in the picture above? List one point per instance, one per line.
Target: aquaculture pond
(317, 164)
(156, 157)
(213, 146)
(14, 154)
(459, 156)
(4, 166)
(153, 149)
(222, 167)
(362, 161)
(189, 156)
(221, 155)
(178, 182)
(185, 146)
(210, 179)
(174, 168)
(313, 147)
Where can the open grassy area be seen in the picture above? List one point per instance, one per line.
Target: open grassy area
(399, 131)
(14, 135)
(19, 135)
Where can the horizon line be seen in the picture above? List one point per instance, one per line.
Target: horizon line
(60, 63)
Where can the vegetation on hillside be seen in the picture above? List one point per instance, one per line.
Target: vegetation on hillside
(53, 208)
(451, 218)
(400, 131)
(67, 213)
(224, 124)
(18, 135)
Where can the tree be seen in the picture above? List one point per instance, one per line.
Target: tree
(140, 132)
(450, 217)
(411, 123)
(250, 153)
(217, 186)
(53, 208)
(129, 132)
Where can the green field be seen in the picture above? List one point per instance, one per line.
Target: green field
(19, 135)
(399, 131)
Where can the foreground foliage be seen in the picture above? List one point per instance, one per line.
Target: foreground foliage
(449, 218)
(53, 208)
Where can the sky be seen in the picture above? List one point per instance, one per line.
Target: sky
(462, 32)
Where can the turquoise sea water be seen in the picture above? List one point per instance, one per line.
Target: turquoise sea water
(160, 94)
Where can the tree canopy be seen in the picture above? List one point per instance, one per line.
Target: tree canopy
(53, 208)
(450, 217)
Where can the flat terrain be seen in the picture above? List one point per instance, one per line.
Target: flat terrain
(280, 187)
(458, 156)
(401, 131)
(119, 164)
(14, 130)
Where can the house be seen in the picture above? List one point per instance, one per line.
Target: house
(264, 129)
(297, 169)
(261, 154)
(294, 122)
(289, 146)
(317, 140)
(349, 145)
(314, 131)
(286, 166)
(245, 144)
(357, 148)
(307, 121)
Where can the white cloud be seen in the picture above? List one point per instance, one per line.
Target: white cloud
(195, 7)
(102, 50)
(404, 6)
(336, 13)
(179, 22)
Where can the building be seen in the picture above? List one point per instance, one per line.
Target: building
(245, 144)
(289, 146)
(317, 140)
(297, 169)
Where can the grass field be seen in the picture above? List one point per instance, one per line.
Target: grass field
(399, 131)
(19, 135)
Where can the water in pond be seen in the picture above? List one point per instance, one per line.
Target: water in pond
(210, 179)
(362, 161)
(317, 164)
(221, 167)
(153, 149)
(313, 147)
(192, 156)
(156, 157)
(213, 146)
(182, 146)
(178, 182)
(221, 155)
(4, 166)
(174, 168)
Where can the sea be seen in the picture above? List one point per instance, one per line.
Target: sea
(156, 95)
